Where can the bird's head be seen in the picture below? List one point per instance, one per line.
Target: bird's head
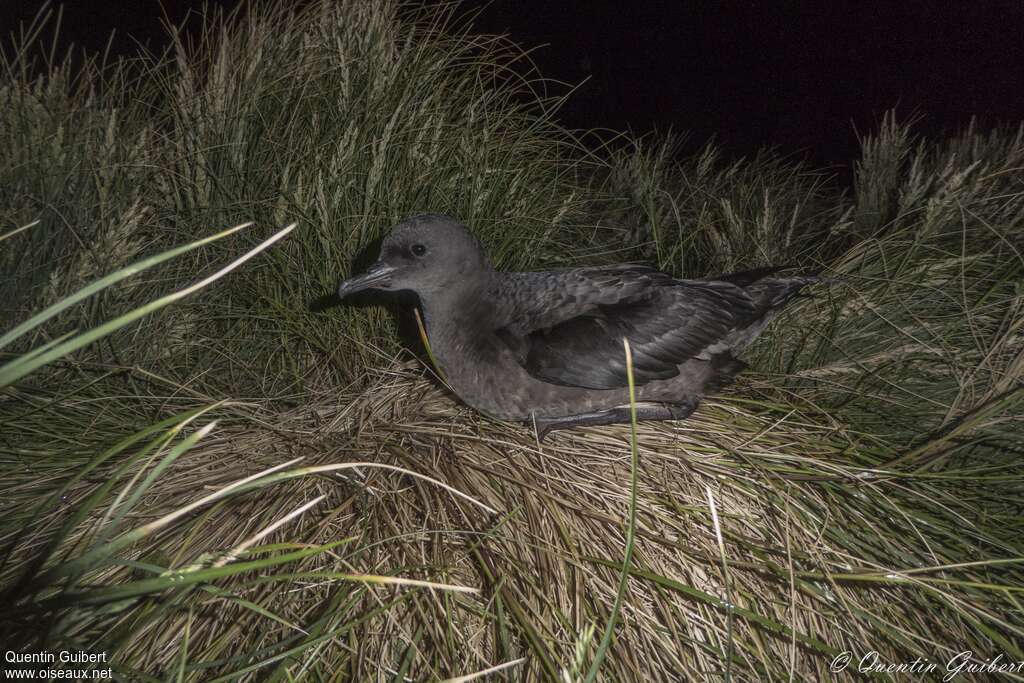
(426, 254)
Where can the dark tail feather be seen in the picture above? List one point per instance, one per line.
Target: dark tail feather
(770, 297)
(775, 293)
(744, 278)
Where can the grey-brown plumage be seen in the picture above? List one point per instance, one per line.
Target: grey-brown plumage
(547, 346)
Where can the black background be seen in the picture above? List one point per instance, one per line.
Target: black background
(801, 76)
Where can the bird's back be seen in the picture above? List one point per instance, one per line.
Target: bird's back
(567, 326)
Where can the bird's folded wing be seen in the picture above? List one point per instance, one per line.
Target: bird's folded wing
(543, 299)
(569, 329)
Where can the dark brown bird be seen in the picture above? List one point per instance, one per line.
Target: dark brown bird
(546, 347)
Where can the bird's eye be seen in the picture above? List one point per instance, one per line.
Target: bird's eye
(418, 250)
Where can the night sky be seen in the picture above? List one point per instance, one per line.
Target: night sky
(801, 76)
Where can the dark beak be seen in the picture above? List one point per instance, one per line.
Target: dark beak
(379, 274)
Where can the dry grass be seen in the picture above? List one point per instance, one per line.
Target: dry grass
(826, 551)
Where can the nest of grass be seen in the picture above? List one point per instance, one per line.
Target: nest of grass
(764, 543)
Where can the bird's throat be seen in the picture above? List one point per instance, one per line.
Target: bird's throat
(458, 325)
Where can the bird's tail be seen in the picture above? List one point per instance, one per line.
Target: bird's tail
(771, 295)
(774, 293)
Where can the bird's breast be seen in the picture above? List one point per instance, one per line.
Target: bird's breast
(484, 373)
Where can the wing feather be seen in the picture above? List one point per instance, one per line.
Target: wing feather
(566, 327)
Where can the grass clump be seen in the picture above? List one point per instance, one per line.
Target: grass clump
(240, 486)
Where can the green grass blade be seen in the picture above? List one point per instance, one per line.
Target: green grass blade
(83, 509)
(104, 282)
(627, 560)
(15, 370)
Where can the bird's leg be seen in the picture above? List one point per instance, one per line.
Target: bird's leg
(546, 425)
(645, 412)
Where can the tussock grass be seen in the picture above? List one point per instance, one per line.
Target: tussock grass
(706, 215)
(239, 486)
